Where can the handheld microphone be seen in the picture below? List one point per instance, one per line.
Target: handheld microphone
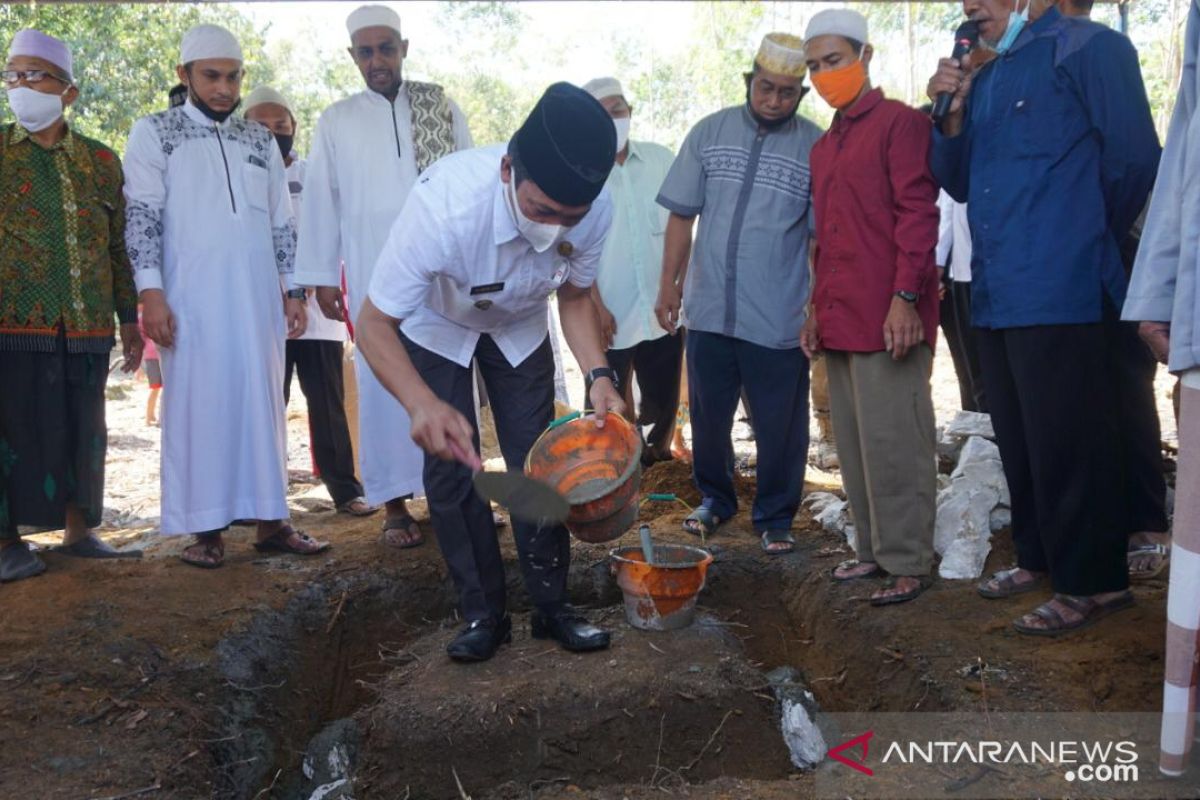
(965, 39)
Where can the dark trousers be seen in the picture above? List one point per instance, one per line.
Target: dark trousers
(1051, 393)
(776, 386)
(960, 336)
(319, 366)
(53, 437)
(1134, 369)
(522, 402)
(656, 364)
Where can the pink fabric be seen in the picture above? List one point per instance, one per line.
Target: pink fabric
(39, 45)
(150, 350)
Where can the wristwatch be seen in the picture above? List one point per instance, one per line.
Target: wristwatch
(908, 297)
(604, 372)
(296, 294)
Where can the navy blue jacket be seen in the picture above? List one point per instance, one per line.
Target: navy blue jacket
(1055, 161)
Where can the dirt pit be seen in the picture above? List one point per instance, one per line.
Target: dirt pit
(326, 678)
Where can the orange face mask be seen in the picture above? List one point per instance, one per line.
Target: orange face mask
(840, 87)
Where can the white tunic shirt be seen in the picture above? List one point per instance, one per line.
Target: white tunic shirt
(455, 266)
(209, 222)
(954, 239)
(320, 327)
(360, 171)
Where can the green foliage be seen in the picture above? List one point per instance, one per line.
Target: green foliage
(123, 66)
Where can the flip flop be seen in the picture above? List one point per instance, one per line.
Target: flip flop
(706, 523)
(851, 564)
(1162, 551)
(1006, 586)
(401, 522)
(213, 550)
(1089, 610)
(778, 536)
(18, 562)
(357, 507)
(93, 546)
(281, 542)
(923, 583)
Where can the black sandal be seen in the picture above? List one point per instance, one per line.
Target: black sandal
(777, 536)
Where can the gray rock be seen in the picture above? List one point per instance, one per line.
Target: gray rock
(329, 761)
(971, 423)
(1001, 518)
(798, 715)
(962, 531)
(833, 514)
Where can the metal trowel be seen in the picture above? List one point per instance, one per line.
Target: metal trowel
(526, 498)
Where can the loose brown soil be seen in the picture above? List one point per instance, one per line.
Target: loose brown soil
(118, 677)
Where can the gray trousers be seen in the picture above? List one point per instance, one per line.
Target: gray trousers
(522, 402)
(886, 442)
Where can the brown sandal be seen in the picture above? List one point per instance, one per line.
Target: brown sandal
(1090, 612)
(289, 540)
(211, 554)
(403, 523)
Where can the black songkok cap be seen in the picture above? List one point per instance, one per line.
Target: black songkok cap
(568, 145)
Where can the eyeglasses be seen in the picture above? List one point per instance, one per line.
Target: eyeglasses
(786, 94)
(12, 77)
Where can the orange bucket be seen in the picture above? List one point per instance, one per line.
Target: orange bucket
(661, 596)
(598, 470)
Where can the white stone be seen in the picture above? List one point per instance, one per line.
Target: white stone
(971, 423)
(962, 530)
(980, 463)
(801, 734)
(1001, 518)
(948, 446)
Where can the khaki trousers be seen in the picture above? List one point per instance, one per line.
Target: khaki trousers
(820, 400)
(883, 420)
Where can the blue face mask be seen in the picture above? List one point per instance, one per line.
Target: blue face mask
(1016, 24)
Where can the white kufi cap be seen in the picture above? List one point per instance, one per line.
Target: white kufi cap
(209, 41)
(838, 22)
(601, 88)
(264, 94)
(372, 17)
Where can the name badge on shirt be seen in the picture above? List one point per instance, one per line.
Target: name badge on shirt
(256, 161)
(487, 288)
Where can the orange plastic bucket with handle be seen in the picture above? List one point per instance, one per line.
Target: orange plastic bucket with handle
(598, 470)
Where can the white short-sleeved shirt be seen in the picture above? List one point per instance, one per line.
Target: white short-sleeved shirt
(455, 265)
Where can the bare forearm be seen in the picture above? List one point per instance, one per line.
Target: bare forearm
(677, 248)
(581, 327)
(379, 341)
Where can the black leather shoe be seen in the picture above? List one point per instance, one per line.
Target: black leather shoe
(570, 628)
(480, 640)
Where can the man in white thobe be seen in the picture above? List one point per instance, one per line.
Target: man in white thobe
(211, 236)
(367, 153)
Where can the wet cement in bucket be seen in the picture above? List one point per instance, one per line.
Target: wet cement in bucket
(661, 596)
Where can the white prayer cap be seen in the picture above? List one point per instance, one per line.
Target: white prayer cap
(265, 94)
(39, 45)
(372, 17)
(209, 41)
(782, 54)
(839, 22)
(601, 88)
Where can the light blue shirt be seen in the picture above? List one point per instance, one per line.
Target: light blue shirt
(631, 266)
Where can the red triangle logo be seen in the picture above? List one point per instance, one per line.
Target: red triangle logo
(862, 741)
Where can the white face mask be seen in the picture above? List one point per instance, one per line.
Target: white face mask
(35, 111)
(540, 235)
(622, 126)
